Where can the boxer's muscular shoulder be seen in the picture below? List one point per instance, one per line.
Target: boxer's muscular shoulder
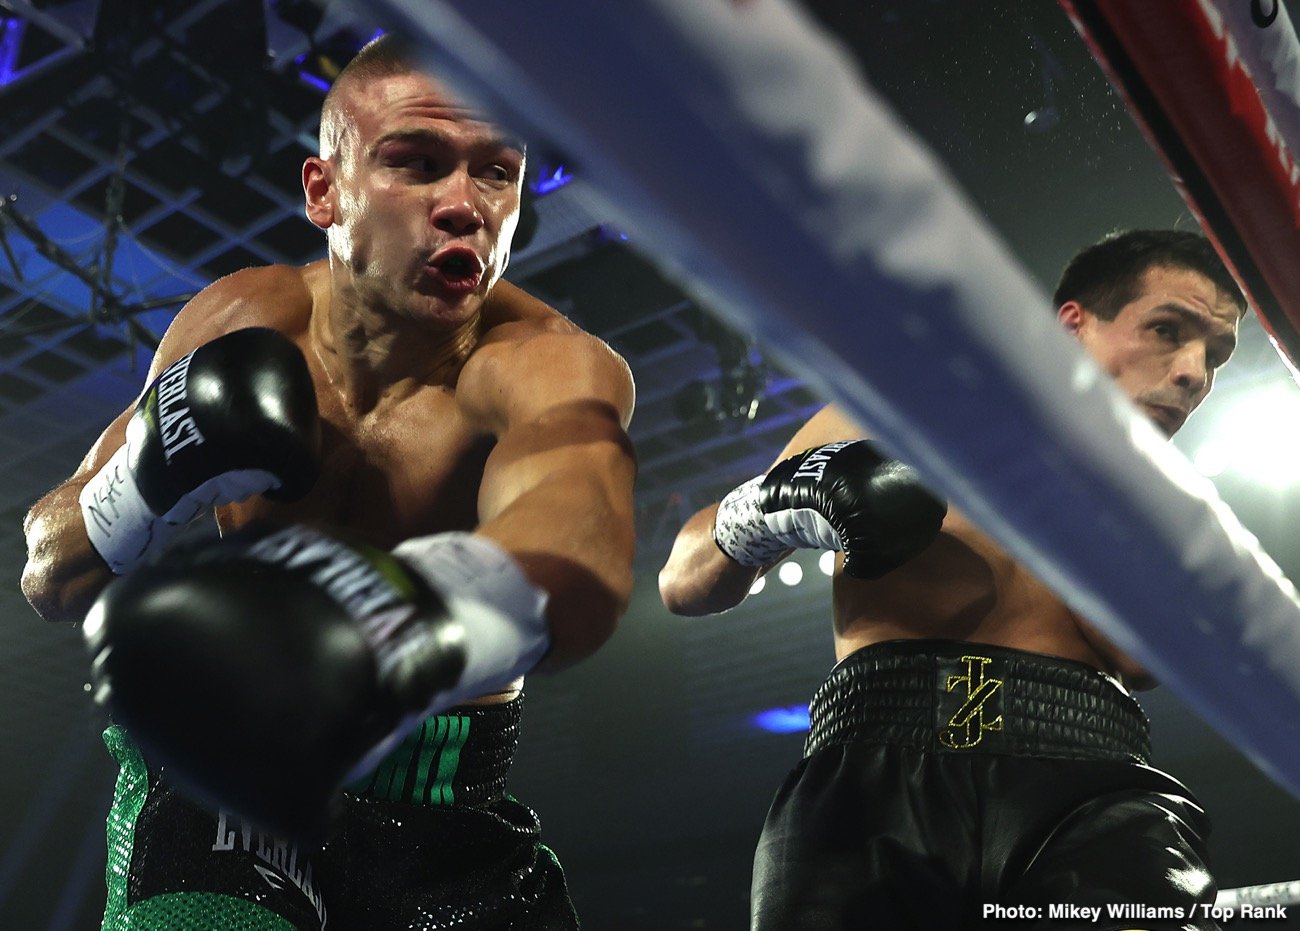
(531, 351)
(509, 304)
(276, 296)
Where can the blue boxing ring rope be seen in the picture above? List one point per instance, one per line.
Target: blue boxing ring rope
(735, 139)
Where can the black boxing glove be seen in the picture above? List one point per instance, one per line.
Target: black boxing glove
(842, 496)
(266, 671)
(234, 418)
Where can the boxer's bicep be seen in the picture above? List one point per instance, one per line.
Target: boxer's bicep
(560, 404)
(575, 442)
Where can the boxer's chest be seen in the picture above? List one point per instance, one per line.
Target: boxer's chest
(406, 470)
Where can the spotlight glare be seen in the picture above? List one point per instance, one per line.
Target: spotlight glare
(1211, 459)
(759, 584)
(791, 573)
(1252, 442)
(826, 562)
(783, 720)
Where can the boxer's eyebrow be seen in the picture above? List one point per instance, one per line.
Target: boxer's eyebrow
(439, 139)
(1222, 338)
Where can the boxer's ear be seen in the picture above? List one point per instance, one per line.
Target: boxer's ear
(1072, 315)
(318, 190)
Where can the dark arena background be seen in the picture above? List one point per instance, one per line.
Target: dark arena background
(147, 149)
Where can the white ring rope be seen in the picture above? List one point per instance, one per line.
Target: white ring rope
(1287, 893)
(740, 145)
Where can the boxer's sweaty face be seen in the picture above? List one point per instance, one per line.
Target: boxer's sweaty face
(1164, 346)
(428, 198)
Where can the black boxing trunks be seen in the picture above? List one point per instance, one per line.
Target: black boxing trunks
(950, 785)
(429, 840)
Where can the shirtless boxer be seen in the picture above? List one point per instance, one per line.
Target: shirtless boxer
(431, 482)
(976, 742)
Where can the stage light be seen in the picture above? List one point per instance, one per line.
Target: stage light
(11, 46)
(789, 720)
(550, 178)
(759, 584)
(791, 573)
(826, 562)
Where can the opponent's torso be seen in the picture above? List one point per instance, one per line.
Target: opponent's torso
(965, 587)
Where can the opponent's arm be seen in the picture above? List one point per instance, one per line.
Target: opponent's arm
(104, 512)
(838, 494)
(699, 578)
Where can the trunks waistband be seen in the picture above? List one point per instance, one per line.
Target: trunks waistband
(459, 757)
(946, 696)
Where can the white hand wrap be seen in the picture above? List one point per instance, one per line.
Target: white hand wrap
(503, 613)
(123, 529)
(118, 522)
(740, 530)
(755, 539)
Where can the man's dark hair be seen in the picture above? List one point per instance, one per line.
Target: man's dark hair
(1107, 275)
(382, 57)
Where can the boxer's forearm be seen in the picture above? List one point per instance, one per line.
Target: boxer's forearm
(63, 573)
(573, 535)
(698, 578)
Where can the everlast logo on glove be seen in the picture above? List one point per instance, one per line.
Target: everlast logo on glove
(372, 588)
(814, 464)
(347, 576)
(167, 409)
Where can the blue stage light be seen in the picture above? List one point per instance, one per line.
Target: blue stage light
(783, 720)
(548, 180)
(11, 45)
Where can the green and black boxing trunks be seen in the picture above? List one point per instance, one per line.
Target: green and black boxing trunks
(429, 840)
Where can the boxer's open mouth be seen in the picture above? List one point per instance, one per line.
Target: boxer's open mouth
(456, 268)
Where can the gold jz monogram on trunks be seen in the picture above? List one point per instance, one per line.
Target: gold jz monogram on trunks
(980, 709)
(942, 696)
